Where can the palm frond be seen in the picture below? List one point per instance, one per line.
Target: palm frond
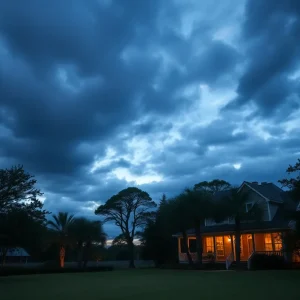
(54, 225)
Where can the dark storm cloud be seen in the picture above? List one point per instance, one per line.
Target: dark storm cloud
(78, 80)
(87, 41)
(219, 132)
(217, 60)
(271, 34)
(51, 122)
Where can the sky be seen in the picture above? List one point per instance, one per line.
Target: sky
(97, 96)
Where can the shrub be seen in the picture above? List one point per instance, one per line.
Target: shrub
(261, 261)
(8, 271)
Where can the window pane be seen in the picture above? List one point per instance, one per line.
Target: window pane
(182, 248)
(193, 245)
(209, 245)
(248, 206)
(268, 242)
(220, 246)
(277, 241)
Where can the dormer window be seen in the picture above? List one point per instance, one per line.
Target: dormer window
(249, 205)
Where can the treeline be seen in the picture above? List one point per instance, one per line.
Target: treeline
(25, 223)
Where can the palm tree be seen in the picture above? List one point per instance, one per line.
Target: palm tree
(234, 206)
(60, 224)
(86, 232)
(199, 205)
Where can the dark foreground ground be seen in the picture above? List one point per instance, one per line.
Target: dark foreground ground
(154, 284)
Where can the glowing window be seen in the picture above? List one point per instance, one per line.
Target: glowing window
(209, 245)
(277, 241)
(268, 242)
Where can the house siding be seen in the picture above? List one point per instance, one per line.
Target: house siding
(273, 210)
(257, 199)
(211, 222)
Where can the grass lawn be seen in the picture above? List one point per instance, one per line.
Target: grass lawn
(154, 284)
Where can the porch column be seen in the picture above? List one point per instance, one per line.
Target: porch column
(232, 246)
(253, 242)
(179, 249)
(215, 247)
(272, 239)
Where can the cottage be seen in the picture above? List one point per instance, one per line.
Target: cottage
(16, 255)
(218, 239)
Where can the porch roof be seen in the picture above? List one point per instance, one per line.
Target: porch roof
(264, 226)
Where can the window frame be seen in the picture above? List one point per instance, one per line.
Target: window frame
(277, 240)
(221, 246)
(247, 203)
(269, 243)
(212, 246)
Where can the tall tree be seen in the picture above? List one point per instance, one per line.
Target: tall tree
(86, 232)
(158, 243)
(291, 239)
(179, 216)
(293, 184)
(200, 206)
(130, 209)
(19, 200)
(61, 224)
(18, 192)
(234, 206)
(213, 186)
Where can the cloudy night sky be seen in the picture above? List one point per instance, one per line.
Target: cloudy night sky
(96, 96)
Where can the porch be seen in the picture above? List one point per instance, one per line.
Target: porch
(221, 248)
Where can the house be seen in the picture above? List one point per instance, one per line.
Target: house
(218, 239)
(16, 255)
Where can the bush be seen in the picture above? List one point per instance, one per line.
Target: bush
(51, 264)
(48, 269)
(266, 262)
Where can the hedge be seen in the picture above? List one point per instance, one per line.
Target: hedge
(9, 271)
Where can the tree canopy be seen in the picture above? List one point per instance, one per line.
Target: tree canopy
(18, 192)
(213, 186)
(22, 217)
(293, 184)
(130, 209)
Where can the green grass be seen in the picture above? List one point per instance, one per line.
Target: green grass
(154, 284)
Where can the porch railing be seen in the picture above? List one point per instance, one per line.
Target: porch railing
(249, 260)
(269, 253)
(229, 260)
(206, 257)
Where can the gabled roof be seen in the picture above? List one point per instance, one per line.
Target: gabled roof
(278, 224)
(16, 252)
(268, 190)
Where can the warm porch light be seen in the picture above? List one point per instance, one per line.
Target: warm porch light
(229, 239)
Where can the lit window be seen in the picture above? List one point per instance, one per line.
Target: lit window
(220, 246)
(268, 242)
(209, 245)
(277, 241)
